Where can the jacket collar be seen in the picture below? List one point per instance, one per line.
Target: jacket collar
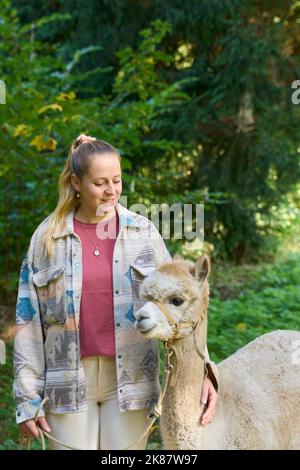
(126, 219)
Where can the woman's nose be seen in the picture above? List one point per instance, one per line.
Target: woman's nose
(110, 188)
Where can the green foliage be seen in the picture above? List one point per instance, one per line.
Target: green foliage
(43, 115)
(201, 104)
(266, 298)
(240, 125)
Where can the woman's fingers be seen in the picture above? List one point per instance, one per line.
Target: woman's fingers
(43, 424)
(204, 394)
(210, 413)
(211, 396)
(29, 429)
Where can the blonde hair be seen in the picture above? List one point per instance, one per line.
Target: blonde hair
(81, 151)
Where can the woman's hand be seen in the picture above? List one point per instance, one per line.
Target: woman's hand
(29, 428)
(209, 397)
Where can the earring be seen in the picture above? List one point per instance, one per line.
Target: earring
(78, 195)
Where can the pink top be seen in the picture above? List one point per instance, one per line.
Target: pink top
(96, 327)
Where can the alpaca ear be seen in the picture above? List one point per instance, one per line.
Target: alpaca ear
(202, 268)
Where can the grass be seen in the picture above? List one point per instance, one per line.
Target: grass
(261, 299)
(246, 301)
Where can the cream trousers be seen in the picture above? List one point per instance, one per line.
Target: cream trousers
(102, 426)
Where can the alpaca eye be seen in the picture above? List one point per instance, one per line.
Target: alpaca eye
(177, 301)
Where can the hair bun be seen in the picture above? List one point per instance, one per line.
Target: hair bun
(81, 139)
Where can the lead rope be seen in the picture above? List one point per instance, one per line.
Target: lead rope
(156, 412)
(43, 433)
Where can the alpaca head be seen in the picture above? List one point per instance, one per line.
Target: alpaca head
(181, 289)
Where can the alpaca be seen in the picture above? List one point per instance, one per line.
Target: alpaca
(259, 385)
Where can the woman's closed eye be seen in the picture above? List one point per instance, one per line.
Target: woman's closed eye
(101, 184)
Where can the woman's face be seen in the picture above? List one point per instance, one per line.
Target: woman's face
(101, 186)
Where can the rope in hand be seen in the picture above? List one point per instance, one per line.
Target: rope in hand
(43, 433)
(156, 412)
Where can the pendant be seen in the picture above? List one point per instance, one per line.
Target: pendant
(96, 252)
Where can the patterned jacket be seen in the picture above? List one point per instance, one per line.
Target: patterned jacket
(47, 358)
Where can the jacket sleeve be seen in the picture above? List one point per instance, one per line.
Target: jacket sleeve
(28, 352)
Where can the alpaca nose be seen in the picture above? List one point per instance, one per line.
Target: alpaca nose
(144, 321)
(141, 314)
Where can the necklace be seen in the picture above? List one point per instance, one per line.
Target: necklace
(96, 251)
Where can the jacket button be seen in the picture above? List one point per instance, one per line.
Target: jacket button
(120, 356)
(118, 324)
(116, 260)
(19, 413)
(78, 264)
(77, 296)
(120, 390)
(116, 291)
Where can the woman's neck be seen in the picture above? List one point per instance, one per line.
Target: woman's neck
(88, 218)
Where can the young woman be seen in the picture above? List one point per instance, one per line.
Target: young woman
(75, 339)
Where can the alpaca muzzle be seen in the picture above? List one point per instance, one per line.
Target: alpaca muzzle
(151, 322)
(145, 317)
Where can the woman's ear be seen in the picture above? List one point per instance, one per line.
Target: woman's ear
(202, 268)
(74, 182)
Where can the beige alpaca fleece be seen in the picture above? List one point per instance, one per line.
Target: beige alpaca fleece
(259, 394)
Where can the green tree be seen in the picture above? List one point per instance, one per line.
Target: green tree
(238, 128)
(240, 58)
(43, 115)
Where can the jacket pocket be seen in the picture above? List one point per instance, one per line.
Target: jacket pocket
(51, 292)
(139, 271)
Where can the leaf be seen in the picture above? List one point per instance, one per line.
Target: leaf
(45, 20)
(22, 130)
(44, 143)
(241, 326)
(78, 54)
(66, 96)
(54, 107)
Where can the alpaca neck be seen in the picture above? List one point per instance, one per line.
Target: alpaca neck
(184, 398)
(189, 368)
